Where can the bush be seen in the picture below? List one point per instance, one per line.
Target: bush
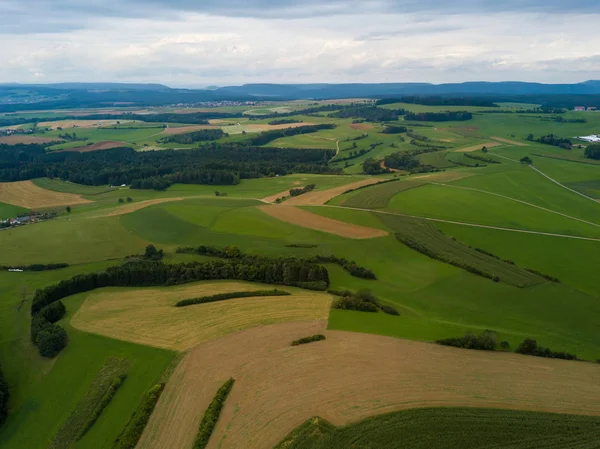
(301, 245)
(51, 339)
(504, 345)
(53, 312)
(130, 436)
(390, 310)
(306, 189)
(592, 151)
(211, 415)
(306, 340)
(486, 341)
(354, 303)
(232, 295)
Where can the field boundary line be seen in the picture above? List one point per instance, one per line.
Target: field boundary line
(474, 225)
(562, 185)
(518, 201)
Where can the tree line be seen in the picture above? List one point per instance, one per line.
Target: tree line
(212, 164)
(553, 140)
(369, 113)
(269, 136)
(447, 116)
(435, 100)
(195, 136)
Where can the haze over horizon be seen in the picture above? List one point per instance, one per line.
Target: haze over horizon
(182, 44)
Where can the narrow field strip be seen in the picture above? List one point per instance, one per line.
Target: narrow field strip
(318, 197)
(349, 377)
(478, 147)
(141, 205)
(300, 217)
(28, 195)
(510, 142)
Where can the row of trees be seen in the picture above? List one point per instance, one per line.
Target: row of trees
(202, 135)
(553, 140)
(448, 116)
(433, 100)
(269, 136)
(361, 301)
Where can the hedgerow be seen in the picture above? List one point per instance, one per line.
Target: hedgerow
(305, 340)
(361, 301)
(211, 415)
(232, 295)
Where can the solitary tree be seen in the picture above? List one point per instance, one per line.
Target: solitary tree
(526, 160)
(68, 209)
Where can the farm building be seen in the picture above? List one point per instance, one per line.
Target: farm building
(593, 138)
(580, 108)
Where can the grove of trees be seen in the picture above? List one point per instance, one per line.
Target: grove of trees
(593, 151)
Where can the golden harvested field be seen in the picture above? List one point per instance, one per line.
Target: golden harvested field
(25, 138)
(186, 129)
(301, 217)
(478, 147)
(79, 123)
(346, 378)
(104, 145)
(27, 194)
(318, 197)
(141, 205)
(149, 316)
(511, 142)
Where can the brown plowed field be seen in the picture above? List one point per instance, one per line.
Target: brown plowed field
(148, 316)
(141, 205)
(511, 142)
(105, 145)
(24, 138)
(346, 378)
(478, 147)
(319, 197)
(301, 217)
(27, 194)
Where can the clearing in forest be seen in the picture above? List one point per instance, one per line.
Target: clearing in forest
(346, 378)
(141, 205)
(478, 147)
(319, 197)
(149, 316)
(301, 217)
(26, 194)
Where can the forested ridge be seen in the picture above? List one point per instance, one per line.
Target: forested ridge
(212, 164)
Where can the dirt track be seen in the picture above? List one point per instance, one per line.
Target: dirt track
(318, 197)
(300, 217)
(27, 194)
(347, 378)
(141, 205)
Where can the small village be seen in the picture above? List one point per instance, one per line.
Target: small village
(30, 218)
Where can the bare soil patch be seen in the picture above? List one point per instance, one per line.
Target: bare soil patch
(27, 194)
(24, 138)
(148, 316)
(300, 217)
(361, 126)
(187, 129)
(346, 378)
(511, 142)
(318, 197)
(141, 205)
(104, 145)
(478, 147)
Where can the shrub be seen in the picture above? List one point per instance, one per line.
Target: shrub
(306, 340)
(51, 339)
(53, 312)
(390, 310)
(232, 295)
(354, 303)
(504, 345)
(301, 245)
(211, 415)
(486, 341)
(121, 200)
(306, 189)
(130, 436)
(112, 389)
(530, 347)
(129, 199)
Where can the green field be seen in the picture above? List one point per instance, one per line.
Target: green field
(10, 211)
(449, 428)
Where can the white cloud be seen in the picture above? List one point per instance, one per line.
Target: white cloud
(190, 49)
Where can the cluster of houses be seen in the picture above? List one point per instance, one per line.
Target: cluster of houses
(584, 108)
(215, 104)
(33, 217)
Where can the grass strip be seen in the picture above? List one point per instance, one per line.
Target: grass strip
(134, 428)
(310, 339)
(108, 380)
(211, 415)
(232, 295)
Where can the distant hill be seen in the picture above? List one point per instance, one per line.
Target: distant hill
(94, 86)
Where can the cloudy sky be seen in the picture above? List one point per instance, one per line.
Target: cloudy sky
(201, 42)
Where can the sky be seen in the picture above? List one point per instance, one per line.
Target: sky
(195, 43)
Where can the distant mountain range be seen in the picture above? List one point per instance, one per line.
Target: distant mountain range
(69, 95)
